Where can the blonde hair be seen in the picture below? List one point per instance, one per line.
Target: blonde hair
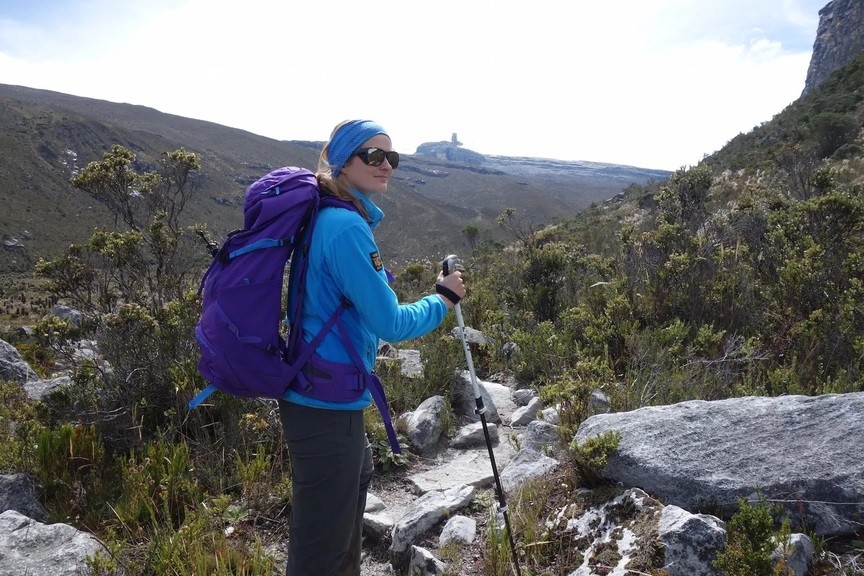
(337, 186)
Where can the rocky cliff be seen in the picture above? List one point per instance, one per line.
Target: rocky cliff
(839, 38)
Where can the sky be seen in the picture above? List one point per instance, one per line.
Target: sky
(648, 83)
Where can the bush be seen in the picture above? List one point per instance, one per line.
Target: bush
(589, 458)
(158, 486)
(751, 541)
(74, 472)
(19, 430)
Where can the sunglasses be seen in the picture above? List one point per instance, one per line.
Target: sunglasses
(376, 156)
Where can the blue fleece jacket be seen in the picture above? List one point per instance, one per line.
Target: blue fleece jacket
(344, 260)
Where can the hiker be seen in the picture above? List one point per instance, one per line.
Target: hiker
(331, 458)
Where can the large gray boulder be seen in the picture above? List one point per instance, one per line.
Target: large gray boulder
(36, 549)
(13, 367)
(74, 317)
(806, 453)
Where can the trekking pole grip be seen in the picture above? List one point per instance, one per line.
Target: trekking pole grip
(447, 266)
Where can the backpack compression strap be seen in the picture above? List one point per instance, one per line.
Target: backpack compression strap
(375, 387)
(202, 396)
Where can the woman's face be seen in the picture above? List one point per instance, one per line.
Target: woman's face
(365, 178)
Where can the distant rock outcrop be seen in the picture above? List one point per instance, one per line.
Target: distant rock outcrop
(839, 38)
(451, 152)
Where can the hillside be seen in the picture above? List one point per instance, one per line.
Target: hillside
(46, 136)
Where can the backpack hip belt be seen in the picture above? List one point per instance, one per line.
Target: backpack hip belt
(337, 381)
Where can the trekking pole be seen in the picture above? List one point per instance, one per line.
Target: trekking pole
(447, 266)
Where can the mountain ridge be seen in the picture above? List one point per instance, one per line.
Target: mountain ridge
(49, 135)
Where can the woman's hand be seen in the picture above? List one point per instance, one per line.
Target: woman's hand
(450, 288)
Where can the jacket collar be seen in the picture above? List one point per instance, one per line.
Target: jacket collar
(375, 213)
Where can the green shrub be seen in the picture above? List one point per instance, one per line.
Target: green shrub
(261, 462)
(589, 458)
(72, 468)
(382, 453)
(544, 353)
(202, 546)
(751, 541)
(19, 430)
(158, 487)
(571, 391)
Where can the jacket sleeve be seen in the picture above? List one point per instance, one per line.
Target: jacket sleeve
(355, 264)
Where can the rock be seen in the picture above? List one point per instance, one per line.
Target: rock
(13, 367)
(523, 416)
(472, 435)
(374, 503)
(523, 396)
(387, 350)
(423, 563)
(39, 389)
(472, 336)
(541, 436)
(502, 399)
(458, 529)
(427, 511)
(804, 452)
(377, 525)
(797, 555)
(18, 493)
(508, 349)
(11, 243)
(464, 403)
(412, 365)
(550, 415)
(423, 426)
(469, 467)
(691, 542)
(527, 465)
(838, 40)
(25, 331)
(599, 403)
(30, 547)
(74, 317)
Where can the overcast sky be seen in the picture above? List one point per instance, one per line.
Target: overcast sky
(649, 83)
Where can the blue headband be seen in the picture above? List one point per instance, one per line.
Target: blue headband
(347, 140)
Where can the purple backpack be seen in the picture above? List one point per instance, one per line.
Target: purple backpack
(239, 332)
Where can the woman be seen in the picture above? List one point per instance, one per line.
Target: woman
(331, 458)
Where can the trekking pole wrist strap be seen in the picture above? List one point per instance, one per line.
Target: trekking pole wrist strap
(447, 293)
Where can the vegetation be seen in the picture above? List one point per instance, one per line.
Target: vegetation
(752, 538)
(742, 275)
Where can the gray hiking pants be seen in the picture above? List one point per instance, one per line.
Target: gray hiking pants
(331, 466)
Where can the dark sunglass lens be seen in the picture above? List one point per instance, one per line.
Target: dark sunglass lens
(393, 158)
(376, 156)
